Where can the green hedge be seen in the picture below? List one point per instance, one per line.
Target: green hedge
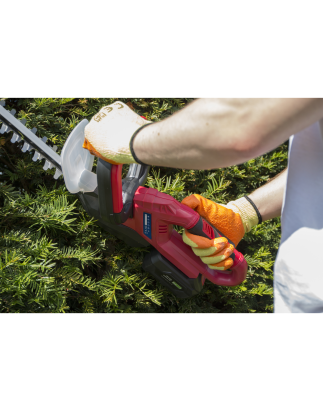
(55, 258)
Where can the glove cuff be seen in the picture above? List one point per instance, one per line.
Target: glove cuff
(131, 145)
(247, 210)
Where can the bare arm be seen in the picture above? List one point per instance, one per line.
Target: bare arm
(215, 133)
(269, 197)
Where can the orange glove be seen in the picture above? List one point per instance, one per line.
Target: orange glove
(232, 220)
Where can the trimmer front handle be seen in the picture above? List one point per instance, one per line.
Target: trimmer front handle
(116, 194)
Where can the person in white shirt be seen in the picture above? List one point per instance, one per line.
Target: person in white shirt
(217, 133)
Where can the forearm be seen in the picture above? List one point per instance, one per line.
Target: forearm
(269, 198)
(215, 133)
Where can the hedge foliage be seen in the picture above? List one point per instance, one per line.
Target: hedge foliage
(55, 258)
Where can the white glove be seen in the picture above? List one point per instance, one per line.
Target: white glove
(109, 132)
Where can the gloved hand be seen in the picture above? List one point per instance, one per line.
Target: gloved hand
(233, 220)
(109, 132)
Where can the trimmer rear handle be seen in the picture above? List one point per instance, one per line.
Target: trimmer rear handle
(205, 229)
(238, 272)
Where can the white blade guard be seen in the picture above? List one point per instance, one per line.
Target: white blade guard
(77, 163)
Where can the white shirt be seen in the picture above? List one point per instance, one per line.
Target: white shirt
(298, 275)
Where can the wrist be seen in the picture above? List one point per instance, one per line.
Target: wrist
(131, 144)
(248, 212)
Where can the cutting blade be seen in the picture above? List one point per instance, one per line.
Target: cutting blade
(31, 141)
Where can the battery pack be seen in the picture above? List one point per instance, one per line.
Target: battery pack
(170, 276)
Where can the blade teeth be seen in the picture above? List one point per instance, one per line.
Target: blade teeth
(16, 137)
(33, 131)
(2, 103)
(5, 128)
(36, 156)
(25, 147)
(57, 173)
(48, 165)
(40, 156)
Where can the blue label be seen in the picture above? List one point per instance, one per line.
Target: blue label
(147, 224)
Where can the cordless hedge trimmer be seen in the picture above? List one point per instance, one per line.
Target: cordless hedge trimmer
(138, 215)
